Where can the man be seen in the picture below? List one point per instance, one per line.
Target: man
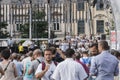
(37, 54)
(49, 67)
(93, 49)
(18, 65)
(104, 65)
(69, 69)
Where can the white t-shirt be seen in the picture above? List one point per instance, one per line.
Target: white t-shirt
(69, 70)
(48, 74)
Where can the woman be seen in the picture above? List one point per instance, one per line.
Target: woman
(9, 68)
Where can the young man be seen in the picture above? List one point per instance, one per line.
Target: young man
(69, 69)
(49, 67)
(37, 54)
(104, 65)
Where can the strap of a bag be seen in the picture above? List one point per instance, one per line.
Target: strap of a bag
(7, 66)
(38, 60)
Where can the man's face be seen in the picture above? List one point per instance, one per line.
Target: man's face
(48, 55)
(93, 50)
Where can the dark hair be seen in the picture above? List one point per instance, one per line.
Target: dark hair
(69, 53)
(104, 45)
(77, 55)
(53, 49)
(115, 53)
(93, 44)
(5, 53)
(48, 49)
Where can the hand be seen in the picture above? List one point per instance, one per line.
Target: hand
(47, 67)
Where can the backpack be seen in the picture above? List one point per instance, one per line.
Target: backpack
(43, 65)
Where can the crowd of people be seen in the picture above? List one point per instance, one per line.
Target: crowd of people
(75, 58)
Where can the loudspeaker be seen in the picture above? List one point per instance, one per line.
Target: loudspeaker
(103, 36)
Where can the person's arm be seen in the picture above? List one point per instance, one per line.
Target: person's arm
(61, 53)
(39, 72)
(15, 70)
(31, 69)
(93, 67)
(116, 72)
(1, 71)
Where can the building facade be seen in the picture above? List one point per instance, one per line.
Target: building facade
(76, 17)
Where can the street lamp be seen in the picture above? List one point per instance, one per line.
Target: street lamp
(30, 20)
(49, 19)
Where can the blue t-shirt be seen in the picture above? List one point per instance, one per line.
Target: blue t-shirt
(27, 69)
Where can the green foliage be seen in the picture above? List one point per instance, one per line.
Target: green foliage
(24, 29)
(38, 14)
(3, 30)
(39, 27)
(22, 41)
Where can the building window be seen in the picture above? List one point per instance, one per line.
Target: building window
(100, 5)
(56, 26)
(81, 27)
(80, 6)
(100, 26)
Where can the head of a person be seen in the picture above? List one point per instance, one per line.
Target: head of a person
(85, 54)
(30, 54)
(115, 53)
(48, 55)
(77, 55)
(70, 53)
(14, 56)
(93, 49)
(5, 54)
(37, 53)
(103, 45)
(53, 51)
(18, 57)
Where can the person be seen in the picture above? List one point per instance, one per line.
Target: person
(85, 58)
(21, 48)
(26, 65)
(104, 65)
(69, 69)
(93, 51)
(37, 54)
(18, 65)
(77, 58)
(49, 67)
(10, 72)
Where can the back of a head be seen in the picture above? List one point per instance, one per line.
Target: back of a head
(5, 54)
(69, 53)
(77, 55)
(14, 56)
(104, 44)
(30, 53)
(37, 52)
(53, 50)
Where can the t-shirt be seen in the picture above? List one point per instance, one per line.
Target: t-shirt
(49, 73)
(27, 66)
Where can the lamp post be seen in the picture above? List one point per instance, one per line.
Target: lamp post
(49, 19)
(30, 20)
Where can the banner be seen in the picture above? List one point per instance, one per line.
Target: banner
(115, 4)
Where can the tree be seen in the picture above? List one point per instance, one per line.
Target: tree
(24, 30)
(3, 30)
(39, 26)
